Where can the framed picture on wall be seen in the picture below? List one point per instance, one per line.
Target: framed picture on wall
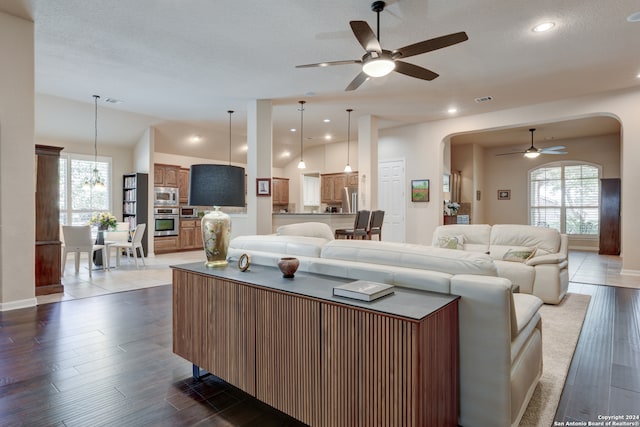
(504, 194)
(419, 190)
(263, 186)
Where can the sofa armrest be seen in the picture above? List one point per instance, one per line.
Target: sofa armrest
(556, 258)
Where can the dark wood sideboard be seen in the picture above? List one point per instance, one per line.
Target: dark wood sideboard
(325, 360)
(48, 245)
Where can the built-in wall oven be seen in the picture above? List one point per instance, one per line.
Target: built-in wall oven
(167, 221)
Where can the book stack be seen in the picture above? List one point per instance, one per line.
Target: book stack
(363, 290)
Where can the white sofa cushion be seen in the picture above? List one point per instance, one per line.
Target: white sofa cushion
(505, 237)
(520, 274)
(449, 261)
(308, 229)
(289, 245)
(475, 236)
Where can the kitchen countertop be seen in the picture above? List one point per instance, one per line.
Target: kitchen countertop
(309, 213)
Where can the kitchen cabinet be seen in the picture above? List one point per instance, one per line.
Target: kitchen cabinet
(190, 234)
(183, 185)
(332, 185)
(165, 244)
(280, 191)
(165, 175)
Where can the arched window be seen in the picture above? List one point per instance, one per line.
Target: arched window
(565, 196)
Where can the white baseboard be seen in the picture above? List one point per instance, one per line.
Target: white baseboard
(626, 272)
(584, 248)
(14, 305)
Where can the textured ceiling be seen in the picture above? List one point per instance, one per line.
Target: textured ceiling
(191, 61)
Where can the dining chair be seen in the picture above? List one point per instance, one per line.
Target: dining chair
(359, 229)
(375, 225)
(121, 234)
(77, 239)
(133, 245)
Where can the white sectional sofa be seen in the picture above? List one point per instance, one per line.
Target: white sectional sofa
(545, 273)
(500, 331)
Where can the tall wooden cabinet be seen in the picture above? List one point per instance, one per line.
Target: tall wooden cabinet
(135, 203)
(331, 185)
(609, 216)
(48, 245)
(280, 191)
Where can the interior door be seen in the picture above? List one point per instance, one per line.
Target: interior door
(391, 199)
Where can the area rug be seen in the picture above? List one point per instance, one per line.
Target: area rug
(561, 326)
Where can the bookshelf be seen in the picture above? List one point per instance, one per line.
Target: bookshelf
(135, 202)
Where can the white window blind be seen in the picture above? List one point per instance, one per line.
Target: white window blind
(565, 196)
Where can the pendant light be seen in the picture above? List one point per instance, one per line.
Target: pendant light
(301, 164)
(347, 168)
(216, 185)
(95, 180)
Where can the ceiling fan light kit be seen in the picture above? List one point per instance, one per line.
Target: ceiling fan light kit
(378, 62)
(533, 152)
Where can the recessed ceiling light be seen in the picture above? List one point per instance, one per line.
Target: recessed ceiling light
(196, 138)
(326, 120)
(292, 129)
(541, 28)
(452, 110)
(638, 75)
(327, 137)
(634, 17)
(286, 154)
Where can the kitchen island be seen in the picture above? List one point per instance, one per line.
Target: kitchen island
(333, 220)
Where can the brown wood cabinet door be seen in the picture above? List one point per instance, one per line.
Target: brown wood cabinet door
(158, 175)
(326, 183)
(183, 185)
(171, 176)
(340, 181)
(610, 216)
(352, 179)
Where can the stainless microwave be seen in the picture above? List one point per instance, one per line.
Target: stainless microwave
(165, 196)
(188, 212)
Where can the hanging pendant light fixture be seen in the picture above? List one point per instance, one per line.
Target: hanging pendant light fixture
(217, 185)
(95, 180)
(301, 164)
(347, 168)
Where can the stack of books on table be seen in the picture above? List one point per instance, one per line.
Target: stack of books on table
(363, 290)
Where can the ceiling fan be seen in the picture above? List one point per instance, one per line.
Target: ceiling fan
(378, 62)
(533, 152)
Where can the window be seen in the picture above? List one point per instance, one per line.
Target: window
(565, 196)
(78, 203)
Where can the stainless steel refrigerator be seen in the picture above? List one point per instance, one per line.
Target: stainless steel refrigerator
(350, 200)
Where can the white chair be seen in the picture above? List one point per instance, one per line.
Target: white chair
(135, 243)
(121, 234)
(77, 239)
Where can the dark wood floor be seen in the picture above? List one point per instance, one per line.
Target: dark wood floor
(107, 360)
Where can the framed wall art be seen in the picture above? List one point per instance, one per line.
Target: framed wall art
(504, 194)
(263, 186)
(419, 190)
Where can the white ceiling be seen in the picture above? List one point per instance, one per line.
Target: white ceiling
(190, 61)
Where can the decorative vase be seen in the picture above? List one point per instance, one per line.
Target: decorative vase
(288, 266)
(103, 227)
(216, 229)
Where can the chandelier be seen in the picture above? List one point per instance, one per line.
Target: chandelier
(95, 180)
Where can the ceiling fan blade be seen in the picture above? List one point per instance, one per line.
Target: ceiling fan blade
(553, 152)
(554, 148)
(329, 63)
(355, 83)
(508, 154)
(415, 71)
(365, 36)
(431, 44)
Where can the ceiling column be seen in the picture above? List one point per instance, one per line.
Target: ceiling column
(368, 162)
(259, 164)
(17, 153)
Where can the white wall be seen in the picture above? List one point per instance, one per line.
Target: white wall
(17, 174)
(622, 105)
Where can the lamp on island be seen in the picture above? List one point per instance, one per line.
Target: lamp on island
(216, 185)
